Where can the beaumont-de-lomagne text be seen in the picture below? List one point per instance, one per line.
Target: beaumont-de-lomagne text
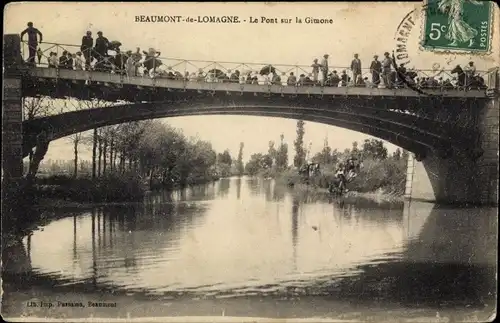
(231, 19)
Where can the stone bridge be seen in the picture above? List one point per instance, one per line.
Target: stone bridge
(452, 132)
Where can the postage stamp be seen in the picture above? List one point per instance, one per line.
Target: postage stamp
(250, 162)
(458, 25)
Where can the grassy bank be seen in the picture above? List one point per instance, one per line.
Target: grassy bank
(108, 188)
(377, 179)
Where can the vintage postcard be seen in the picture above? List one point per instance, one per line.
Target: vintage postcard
(250, 162)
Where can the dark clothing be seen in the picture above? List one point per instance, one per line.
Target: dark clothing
(63, 62)
(356, 70)
(376, 70)
(69, 63)
(32, 42)
(32, 35)
(101, 46)
(86, 48)
(119, 63)
(87, 43)
(334, 80)
(345, 79)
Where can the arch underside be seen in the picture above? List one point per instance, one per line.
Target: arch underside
(420, 117)
(407, 137)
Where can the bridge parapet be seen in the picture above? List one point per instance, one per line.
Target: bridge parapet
(259, 73)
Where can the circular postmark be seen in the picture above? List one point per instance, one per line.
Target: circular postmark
(440, 34)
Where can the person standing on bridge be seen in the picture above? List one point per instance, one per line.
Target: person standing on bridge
(324, 69)
(386, 70)
(101, 49)
(315, 70)
(33, 34)
(77, 61)
(470, 72)
(356, 69)
(376, 70)
(86, 48)
(52, 60)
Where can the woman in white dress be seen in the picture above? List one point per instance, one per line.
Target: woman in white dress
(458, 30)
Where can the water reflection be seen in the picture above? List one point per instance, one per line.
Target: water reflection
(237, 239)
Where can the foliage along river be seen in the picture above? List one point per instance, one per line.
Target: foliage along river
(246, 247)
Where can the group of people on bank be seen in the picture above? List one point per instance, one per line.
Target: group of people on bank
(94, 54)
(345, 173)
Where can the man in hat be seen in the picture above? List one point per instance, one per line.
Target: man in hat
(324, 68)
(101, 49)
(356, 69)
(32, 41)
(376, 70)
(86, 48)
(386, 70)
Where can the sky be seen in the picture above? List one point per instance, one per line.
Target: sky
(363, 28)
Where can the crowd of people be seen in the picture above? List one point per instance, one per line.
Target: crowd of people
(106, 56)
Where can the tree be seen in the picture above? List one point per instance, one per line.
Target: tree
(76, 139)
(396, 154)
(271, 152)
(224, 162)
(404, 155)
(300, 154)
(36, 107)
(373, 148)
(225, 158)
(282, 154)
(257, 163)
(94, 152)
(239, 163)
(94, 140)
(355, 151)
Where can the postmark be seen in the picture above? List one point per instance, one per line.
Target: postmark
(457, 26)
(444, 25)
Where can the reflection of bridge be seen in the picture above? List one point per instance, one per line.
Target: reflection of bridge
(453, 133)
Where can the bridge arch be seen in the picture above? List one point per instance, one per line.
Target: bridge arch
(71, 122)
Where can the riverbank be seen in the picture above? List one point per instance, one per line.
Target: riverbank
(363, 186)
(378, 197)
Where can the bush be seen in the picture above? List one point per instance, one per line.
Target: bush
(111, 187)
(388, 175)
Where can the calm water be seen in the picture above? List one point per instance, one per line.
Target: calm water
(250, 237)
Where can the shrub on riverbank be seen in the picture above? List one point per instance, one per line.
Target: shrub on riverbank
(386, 176)
(111, 187)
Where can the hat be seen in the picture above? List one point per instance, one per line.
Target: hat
(375, 56)
(386, 53)
(326, 55)
(99, 32)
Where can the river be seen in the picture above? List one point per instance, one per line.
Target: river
(248, 247)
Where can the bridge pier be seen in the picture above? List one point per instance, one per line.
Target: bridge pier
(461, 179)
(12, 112)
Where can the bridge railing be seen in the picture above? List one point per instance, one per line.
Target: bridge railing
(154, 66)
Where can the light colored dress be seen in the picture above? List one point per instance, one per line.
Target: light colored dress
(458, 30)
(130, 66)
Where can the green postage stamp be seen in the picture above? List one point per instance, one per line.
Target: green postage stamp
(458, 25)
